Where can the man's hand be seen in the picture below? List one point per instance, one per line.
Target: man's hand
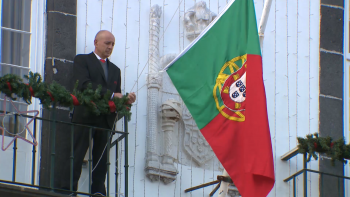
(131, 96)
(117, 95)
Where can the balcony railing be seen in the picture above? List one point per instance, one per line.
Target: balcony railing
(304, 172)
(53, 126)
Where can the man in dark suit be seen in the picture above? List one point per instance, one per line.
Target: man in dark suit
(94, 68)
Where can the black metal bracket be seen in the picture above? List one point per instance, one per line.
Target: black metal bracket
(218, 182)
(118, 139)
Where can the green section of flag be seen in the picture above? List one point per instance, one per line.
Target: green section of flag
(194, 74)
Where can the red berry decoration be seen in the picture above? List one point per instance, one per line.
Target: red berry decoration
(315, 144)
(128, 108)
(332, 144)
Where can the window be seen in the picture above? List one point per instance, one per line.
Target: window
(15, 40)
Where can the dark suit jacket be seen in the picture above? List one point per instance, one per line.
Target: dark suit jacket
(87, 69)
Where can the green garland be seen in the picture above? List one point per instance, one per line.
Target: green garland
(313, 144)
(55, 94)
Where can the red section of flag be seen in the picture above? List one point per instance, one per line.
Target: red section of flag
(244, 148)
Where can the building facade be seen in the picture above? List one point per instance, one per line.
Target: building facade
(306, 74)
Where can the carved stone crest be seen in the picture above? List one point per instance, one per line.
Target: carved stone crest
(197, 18)
(194, 142)
(164, 115)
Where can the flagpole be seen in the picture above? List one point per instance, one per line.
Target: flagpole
(224, 186)
(263, 21)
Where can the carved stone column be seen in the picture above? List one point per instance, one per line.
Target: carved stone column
(154, 82)
(171, 113)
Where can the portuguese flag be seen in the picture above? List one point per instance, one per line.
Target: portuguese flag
(219, 78)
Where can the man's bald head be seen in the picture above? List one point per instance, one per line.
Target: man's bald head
(102, 34)
(104, 43)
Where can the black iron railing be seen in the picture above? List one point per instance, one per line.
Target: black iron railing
(304, 173)
(123, 135)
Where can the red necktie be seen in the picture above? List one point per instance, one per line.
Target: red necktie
(103, 61)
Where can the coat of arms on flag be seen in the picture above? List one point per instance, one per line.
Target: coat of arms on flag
(230, 88)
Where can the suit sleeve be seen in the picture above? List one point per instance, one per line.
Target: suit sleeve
(118, 88)
(81, 73)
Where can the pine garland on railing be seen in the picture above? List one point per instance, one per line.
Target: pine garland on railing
(313, 144)
(13, 87)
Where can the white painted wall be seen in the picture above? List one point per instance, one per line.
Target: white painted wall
(291, 67)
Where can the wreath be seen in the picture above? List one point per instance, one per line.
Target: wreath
(54, 94)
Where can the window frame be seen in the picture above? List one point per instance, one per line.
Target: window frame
(346, 30)
(346, 87)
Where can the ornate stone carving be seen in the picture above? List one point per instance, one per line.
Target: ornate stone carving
(154, 78)
(156, 170)
(160, 145)
(166, 171)
(196, 19)
(194, 142)
(152, 161)
(166, 59)
(171, 113)
(233, 191)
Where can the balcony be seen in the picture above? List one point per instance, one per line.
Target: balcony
(303, 173)
(19, 173)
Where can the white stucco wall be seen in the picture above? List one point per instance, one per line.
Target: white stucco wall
(291, 67)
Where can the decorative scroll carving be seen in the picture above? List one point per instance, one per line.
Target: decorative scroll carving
(197, 18)
(154, 81)
(194, 142)
(171, 113)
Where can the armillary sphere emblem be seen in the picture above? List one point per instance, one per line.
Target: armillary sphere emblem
(230, 89)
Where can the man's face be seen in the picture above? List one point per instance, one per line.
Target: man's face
(104, 44)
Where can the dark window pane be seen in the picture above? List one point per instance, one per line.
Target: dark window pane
(16, 14)
(15, 48)
(4, 69)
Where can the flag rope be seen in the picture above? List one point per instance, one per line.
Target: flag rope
(200, 35)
